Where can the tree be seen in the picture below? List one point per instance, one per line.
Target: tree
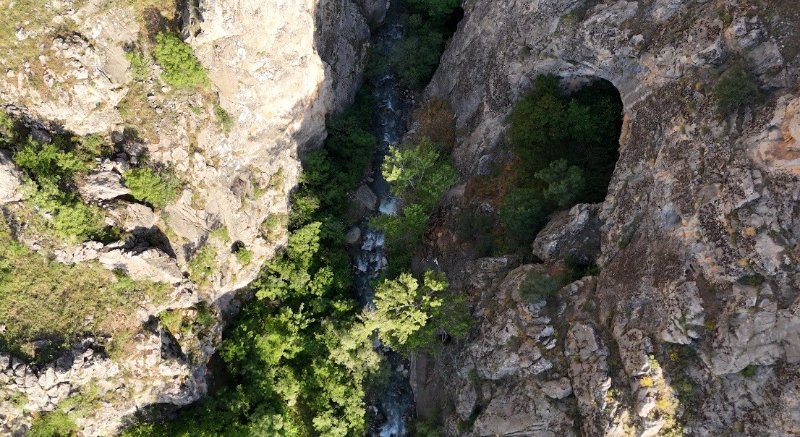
(403, 306)
(417, 173)
(523, 213)
(564, 183)
(403, 232)
(538, 128)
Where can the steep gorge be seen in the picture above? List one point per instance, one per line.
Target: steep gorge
(689, 325)
(687, 328)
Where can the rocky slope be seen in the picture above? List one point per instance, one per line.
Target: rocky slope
(691, 324)
(277, 69)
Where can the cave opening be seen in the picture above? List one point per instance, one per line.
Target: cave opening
(564, 136)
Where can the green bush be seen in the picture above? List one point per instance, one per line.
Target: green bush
(411, 314)
(416, 57)
(55, 424)
(155, 188)
(224, 120)
(536, 287)
(52, 168)
(77, 221)
(139, 67)
(418, 173)
(737, 87)
(272, 226)
(523, 213)
(203, 264)
(48, 164)
(243, 255)
(181, 67)
(429, 24)
(749, 371)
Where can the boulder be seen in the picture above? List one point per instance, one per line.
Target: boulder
(9, 179)
(571, 234)
(353, 235)
(103, 185)
(151, 264)
(558, 389)
(366, 197)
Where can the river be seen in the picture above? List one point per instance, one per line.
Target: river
(390, 413)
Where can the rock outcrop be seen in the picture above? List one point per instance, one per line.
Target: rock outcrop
(10, 179)
(276, 70)
(690, 325)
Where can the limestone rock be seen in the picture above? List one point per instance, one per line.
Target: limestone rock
(353, 236)
(102, 185)
(151, 264)
(10, 179)
(557, 389)
(366, 197)
(571, 234)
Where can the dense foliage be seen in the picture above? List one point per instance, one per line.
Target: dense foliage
(50, 170)
(429, 24)
(181, 67)
(299, 358)
(411, 314)
(157, 188)
(417, 174)
(567, 145)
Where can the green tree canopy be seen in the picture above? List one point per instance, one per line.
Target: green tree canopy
(418, 173)
(403, 307)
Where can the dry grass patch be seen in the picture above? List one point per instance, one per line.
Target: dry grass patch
(45, 305)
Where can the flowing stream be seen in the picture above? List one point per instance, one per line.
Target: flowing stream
(395, 406)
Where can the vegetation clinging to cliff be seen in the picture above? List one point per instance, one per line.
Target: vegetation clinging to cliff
(567, 146)
(429, 24)
(181, 67)
(298, 359)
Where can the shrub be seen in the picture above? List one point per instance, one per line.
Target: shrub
(221, 233)
(77, 221)
(416, 57)
(202, 266)
(737, 86)
(272, 226)
(536, 287)
(155, 188)
(243, 255)
(437, 122)
(181, 67)
(55, 424)
(47, 164)
(172, 320)
(224, 120)
(523, 213)
(749, 371)
(139, 66)
(418, 173)
(205, 315)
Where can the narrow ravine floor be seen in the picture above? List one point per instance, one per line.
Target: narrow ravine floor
(390, 415)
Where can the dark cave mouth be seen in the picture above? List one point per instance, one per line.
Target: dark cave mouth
(564, 136)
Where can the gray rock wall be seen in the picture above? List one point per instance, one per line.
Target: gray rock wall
(700, 235)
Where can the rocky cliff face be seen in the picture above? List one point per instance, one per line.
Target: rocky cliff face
(277, 68)
(690, 325)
